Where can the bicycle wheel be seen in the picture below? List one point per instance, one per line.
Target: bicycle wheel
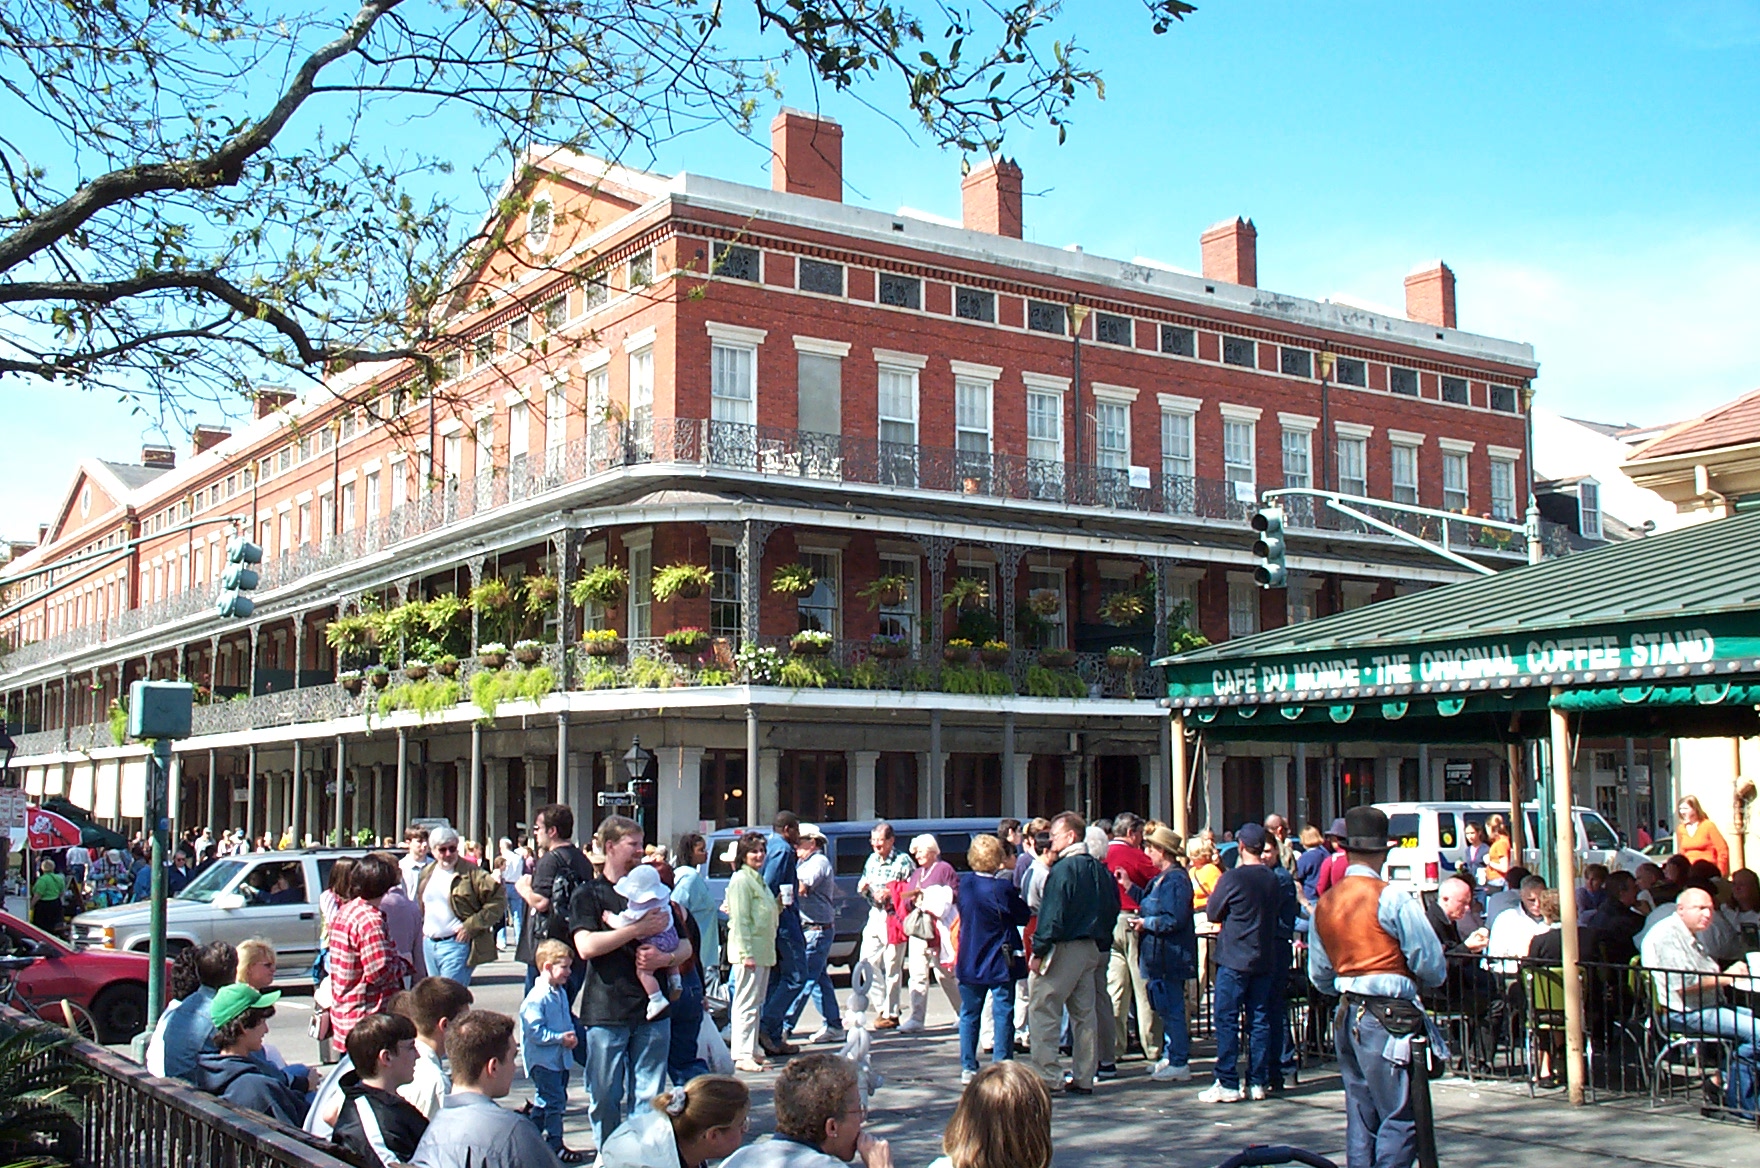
(79, 1020)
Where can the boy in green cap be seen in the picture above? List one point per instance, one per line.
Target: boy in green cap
(241, 1016)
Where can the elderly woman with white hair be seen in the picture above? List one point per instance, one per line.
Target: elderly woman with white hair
(929, 889)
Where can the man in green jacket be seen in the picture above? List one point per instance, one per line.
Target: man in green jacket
(462, 907)
(1076, 918)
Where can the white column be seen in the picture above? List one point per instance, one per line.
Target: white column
(1304, 813)
(766, 797)
(862, 800)
(1387, 778)
(925, 787)
(1072, 782)
(1277, 785)
(681, 771)
(1014, 797)
(579, 798)
(378, 816)
(1157, 770)
(1212, 795)
(495, 771)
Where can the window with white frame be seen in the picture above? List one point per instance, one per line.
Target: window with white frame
(641, 590)
(641, 391)
(898, 405)
(1298, 456)
(1503, 489)
(732, 383)
(555, 416)
(348, 497)
(1052, 628)
(1353, 461)
(901, 619)
(1044, 426)
(519, 431)
(598, 396)
(372, 495)
(326, 517)
(820, 609)
(1589, 508)
(1243, 606)
(453, 452)
(1454, 480)
(971, 410)
(726, 595)
(485, 436)
(399, 484)
(1177, 455)
(1238, 445)
(1112, 434)
(304, 532)
(1405, 473)
(1182, 597)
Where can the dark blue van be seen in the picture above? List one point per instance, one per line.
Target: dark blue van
(847, 846)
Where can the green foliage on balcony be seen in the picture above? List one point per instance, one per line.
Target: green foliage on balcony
(430, 696)
(683, 581)
(1055, 683)
(970, 679)
(792, 580)
(605, 586)
(650, 673)
(490, 688)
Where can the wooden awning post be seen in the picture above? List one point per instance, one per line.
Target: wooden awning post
(1181, 775)
(1565, 825)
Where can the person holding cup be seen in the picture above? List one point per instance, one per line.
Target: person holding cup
(790, 974)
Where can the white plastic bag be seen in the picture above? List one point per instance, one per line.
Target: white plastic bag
(712, 1050)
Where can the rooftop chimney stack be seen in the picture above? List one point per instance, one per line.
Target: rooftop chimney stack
(159, 457)
(270, 400)
(204, 438)
(990, 198)
(1231, 252)
(806, 155)
(1430, 295)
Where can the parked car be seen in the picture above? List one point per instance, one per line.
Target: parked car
(847, 845)
(273, 895)
(111, 986)
(1661, 849)
(1427, 842)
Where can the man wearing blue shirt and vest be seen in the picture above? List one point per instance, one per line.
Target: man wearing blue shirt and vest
(789, 975)
(1372, 945)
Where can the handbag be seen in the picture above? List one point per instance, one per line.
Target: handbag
(920, 924)
(319, 1027)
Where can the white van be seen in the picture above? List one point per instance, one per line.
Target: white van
(1426, 840)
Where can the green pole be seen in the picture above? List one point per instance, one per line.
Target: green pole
(158, 791)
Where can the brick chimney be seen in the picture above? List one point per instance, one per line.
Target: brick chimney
(159, 457)
(270, 400)
(990, 198)
(1430, 295)
(1231, 252)
(206, 438)
(806, 155)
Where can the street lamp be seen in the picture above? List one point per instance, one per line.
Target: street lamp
(640, 765)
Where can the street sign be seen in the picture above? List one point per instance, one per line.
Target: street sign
(13, 801)
(617, 799)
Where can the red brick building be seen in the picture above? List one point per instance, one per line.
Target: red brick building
(656, 371)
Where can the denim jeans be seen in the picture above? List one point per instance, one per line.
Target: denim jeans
(1237, 992)
(1283, 1047)
(787, 977)
(516, 917)
(1379, 1130)
(971, 1013)
(1738, 1025)
(550, 1104)
(1169, 999)
(817, 985)
(626, 1068)
(446, 957)
(682, 1062)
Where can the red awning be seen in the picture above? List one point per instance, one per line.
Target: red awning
(47, 830)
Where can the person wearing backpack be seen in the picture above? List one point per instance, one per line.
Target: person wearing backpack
(546, 889)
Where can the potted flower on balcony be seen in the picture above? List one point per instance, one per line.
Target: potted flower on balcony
(350, 680)
(1057, 658)
(528, 652)
(993, 652)
(810, 643)
(605, 586)
(680, 582)
(958, 651)
(379, 676)
(492, 654)
(1125, 658)
(793, 580)
(888, 646)
(446, 665)
(689, 642)
(968, 593)
(887, 592)
(415, 670)
(540, 593)
(601, 642)
(1045, 601)
(1122, 608)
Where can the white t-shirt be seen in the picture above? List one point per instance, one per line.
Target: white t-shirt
(438, 919)
(78, 857)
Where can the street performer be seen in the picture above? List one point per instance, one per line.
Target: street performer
(1371, 944)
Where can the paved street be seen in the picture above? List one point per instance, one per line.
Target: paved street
(1131, 1120)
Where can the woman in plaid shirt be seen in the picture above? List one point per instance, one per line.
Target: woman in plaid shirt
(365, 967)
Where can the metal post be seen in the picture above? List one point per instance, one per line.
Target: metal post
(341, 785)
(1181, 776)
(1628, 822)
(1515, 804)
(157, 793)
(937, 769)
(214, 792)
(1565, 826)
(1008, 762)
(1423, 1115)
(560, 792)
(402, 796)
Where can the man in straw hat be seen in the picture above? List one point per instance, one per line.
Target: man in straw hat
(1372, 945)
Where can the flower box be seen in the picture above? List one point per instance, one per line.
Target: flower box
(1057, 658)
(350, 682)
(956, 653)
(380, 678)
(991, 656)
(528, 652)
(415, 670)
(601, 646)
(1126, 659)
(492, 660)
(888, 648)
(810, 644)
(446, 667)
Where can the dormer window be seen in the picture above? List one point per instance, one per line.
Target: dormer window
(1589, 509)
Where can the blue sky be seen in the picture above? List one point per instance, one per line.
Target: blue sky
(1589, 170)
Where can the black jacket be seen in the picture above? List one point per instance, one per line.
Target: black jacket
(400, 1124)
(244, 1082)
(1619, 927)
(1080, 904)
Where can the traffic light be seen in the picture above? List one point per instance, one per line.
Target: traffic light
(239, 577)
(1269, 547)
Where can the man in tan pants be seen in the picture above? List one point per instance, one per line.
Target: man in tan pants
(1076, 917)
(1130, 865)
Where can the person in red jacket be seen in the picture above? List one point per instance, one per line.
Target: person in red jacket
(1131, 866)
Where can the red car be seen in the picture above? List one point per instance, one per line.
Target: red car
(110, 984)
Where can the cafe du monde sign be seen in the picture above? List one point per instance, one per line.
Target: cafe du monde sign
(1462, 665)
